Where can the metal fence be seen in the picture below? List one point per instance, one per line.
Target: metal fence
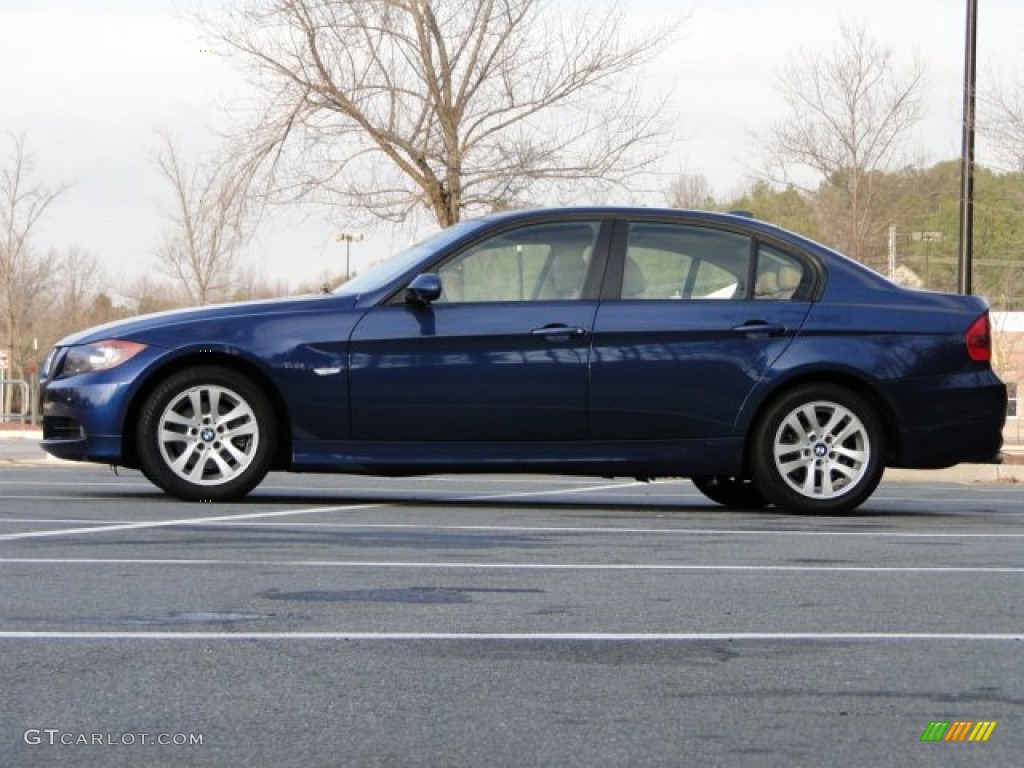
(22, 403)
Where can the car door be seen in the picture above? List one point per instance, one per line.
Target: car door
(695, 317)
(501, 356)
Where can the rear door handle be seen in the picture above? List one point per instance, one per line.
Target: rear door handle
(760, 328)
(557, 329)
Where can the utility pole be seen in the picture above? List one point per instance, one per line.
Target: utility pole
(966, 260)
(892, 252)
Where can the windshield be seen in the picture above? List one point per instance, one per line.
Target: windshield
(382, 273)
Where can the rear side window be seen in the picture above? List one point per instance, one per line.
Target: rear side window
(779, 275)
(674, 261)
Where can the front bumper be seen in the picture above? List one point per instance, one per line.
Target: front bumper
(83, 422)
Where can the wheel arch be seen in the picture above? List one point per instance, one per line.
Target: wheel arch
(856, 384)
(282, 451)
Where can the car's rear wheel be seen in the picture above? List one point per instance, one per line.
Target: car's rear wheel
(818, 449)
(739, 492)
(206, 434)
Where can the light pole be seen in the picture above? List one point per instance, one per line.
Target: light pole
(348, 238)
(927, 238)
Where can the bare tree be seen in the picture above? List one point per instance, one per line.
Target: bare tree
(1006, 128)
(690, 190)
(252, 283)
(26, 275)
(146, 293)
(70, 297)
(209, 223)
(849, 113)
(81, 281)
(456, 105)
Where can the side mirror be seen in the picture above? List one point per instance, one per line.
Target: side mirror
(423, 290)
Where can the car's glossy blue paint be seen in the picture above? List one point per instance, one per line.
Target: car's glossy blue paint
(707, 358)
(363, 381)
(470, 372)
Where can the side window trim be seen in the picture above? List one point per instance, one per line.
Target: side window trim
(611, 287)
(617, 240)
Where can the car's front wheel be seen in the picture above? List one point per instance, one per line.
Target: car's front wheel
(206, 434)
(818, 449)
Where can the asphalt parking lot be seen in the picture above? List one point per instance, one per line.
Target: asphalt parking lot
(502, 621)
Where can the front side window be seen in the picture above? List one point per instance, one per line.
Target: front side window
(541, 262)
(672, 261)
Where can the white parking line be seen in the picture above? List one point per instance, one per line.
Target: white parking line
(67, 484)
(860, 637)
(970, 504)
(38, 497)
(587, 530)
(282, 513)
(63, 521)
(181, 521)
(630, 531)
(461, 566)
(218, 519)
(570, 483)
(547, 492)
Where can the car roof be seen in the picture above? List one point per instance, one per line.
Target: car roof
(613, 210)
(741, 219)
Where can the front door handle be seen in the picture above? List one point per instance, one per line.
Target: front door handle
(760, 328)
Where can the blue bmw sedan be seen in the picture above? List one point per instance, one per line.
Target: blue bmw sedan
(586, 341)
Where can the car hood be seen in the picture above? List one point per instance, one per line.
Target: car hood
(135, 327)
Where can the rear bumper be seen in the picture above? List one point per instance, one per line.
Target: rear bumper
(948, 420)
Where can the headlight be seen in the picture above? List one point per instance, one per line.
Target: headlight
(46, 371)
(99, 356)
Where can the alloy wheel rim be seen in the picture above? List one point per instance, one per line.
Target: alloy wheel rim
(208, 435)
(822, 450)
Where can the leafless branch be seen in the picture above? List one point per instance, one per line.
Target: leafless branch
(849, 112)
(209, 222)
(1006, 127)
(454, 105)
(26, 274)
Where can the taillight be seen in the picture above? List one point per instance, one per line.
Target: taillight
(979, 340)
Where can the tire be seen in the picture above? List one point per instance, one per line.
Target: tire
(736, 492)
(206, 434)
(818, 449)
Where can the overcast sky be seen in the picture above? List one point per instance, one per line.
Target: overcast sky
(88, 81)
